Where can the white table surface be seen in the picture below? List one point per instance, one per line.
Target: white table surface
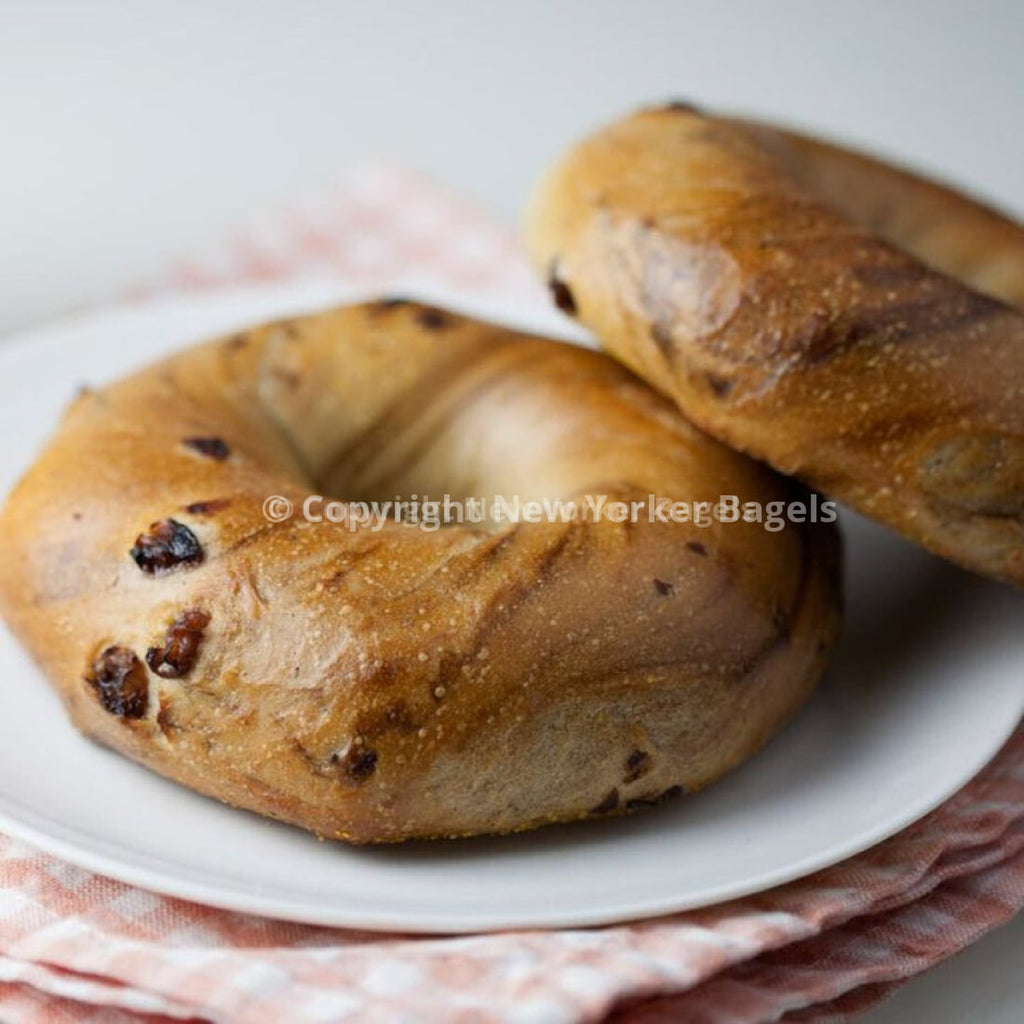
(132, 131)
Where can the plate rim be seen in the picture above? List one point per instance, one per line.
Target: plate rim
(242, 900)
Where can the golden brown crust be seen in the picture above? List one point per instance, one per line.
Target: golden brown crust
(377, 686)
(797, 301)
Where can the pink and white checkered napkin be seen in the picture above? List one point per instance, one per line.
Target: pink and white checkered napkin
(75, 946)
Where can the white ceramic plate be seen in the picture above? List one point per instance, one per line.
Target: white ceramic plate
(927, 685)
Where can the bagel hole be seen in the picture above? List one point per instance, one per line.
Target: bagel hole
(463, 472)
(495, 419)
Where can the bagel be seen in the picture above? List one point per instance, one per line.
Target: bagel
(843, 320)
(376, 685)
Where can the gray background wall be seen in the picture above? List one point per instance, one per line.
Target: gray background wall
(132, 129)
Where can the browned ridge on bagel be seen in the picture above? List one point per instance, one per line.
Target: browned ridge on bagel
(846, 321)
(383, 684)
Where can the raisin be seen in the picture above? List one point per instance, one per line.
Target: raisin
(168, 545)
(682, 107)
(433, 319)
(358, 763)
(211, 447)
(561, 293)
(120, 682)
(164, 719)
(720, 386)
(638, 764)
(205, 508)
(181, 645)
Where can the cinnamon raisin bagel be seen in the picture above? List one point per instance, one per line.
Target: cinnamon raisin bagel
(381, 681)
(846, 321)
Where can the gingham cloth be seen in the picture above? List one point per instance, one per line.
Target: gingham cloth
(75, 946)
